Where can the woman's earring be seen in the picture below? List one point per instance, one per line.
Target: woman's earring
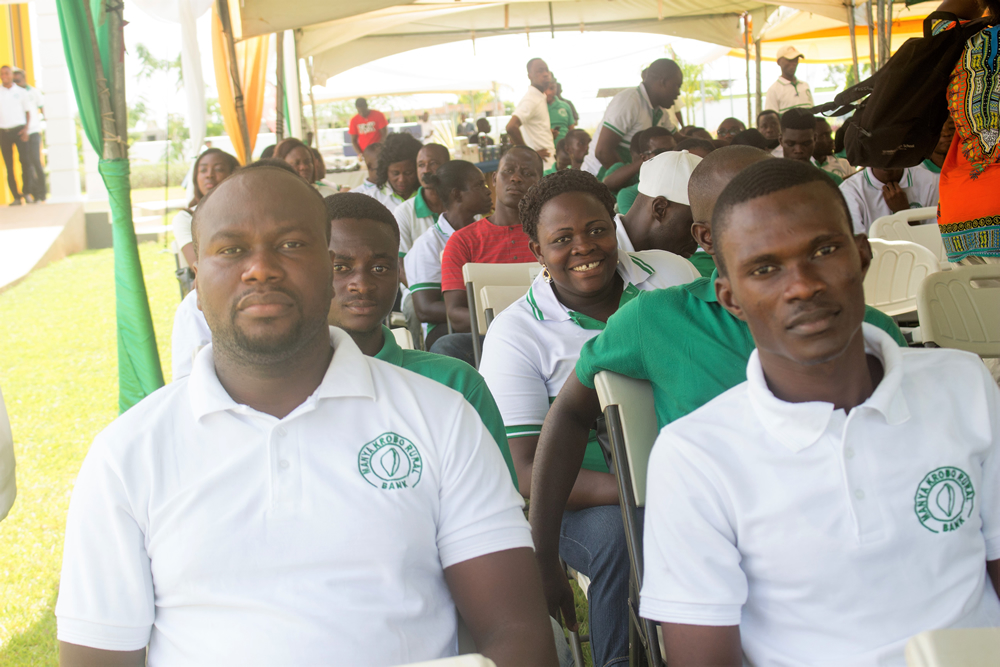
(546, 276)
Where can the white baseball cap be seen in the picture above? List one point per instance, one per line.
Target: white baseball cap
(667, 175)
(789, 53)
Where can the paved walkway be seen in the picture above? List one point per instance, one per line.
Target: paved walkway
(33, 235)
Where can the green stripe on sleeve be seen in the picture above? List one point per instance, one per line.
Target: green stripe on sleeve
(523, 431)
(642, 265)
(420, 287)
(614, 129)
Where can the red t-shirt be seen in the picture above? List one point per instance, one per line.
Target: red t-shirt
(482, 242)
(367, 130)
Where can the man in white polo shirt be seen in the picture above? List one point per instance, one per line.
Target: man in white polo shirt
(875, 193)
(293, 501)
(788, 92)
(530, 124)
(634, 110)
(847, 495)
(34, 156)
(15, 115)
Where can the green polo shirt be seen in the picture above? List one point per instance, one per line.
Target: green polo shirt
(704, 262)
(837, 178)
(457, 375)
(560, 118)
(685, 343)
(615, 167)
(626, 197)
(933, 168)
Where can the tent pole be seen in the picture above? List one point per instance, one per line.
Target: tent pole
(852, 28)
(118, 102)
(279, 92)
(888, 30)
(234, 75)
(746, 49)
(112, 146)
(312, 103)
(871, 37)
(756, 46)
(880, 22)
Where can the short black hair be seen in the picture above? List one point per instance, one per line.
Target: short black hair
(635, 143)
(452, 175)
(555, 184)
(798, 119)
(397, 147)
(360, 101)
(767, 112)
(649, 134)
(751, 137)
(561, 145)
(694, 142)
(541, 162)
(528, 66)
(761, 179)
(576, 133)
(360, 207)
(661, 69)
(268, 152)
(439, 147)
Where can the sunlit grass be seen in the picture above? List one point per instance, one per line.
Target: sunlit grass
(58, 373)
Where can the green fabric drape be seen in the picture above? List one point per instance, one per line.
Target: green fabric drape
(139, 371)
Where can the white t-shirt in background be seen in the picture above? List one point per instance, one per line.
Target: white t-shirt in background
(190, 334)
(536, 127)
(863, 193)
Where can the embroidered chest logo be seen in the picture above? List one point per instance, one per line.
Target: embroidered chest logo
(390, 461)
(944, 499)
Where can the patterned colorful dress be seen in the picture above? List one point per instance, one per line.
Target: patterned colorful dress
(969, 210)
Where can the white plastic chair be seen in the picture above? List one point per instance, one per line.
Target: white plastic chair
(403, 337)
(470, 660)
(897, 227)
(630, 415)
(494, 299)
(8, 486)
(961, 309)
(960, 647)
(896, 272)
(477, 276)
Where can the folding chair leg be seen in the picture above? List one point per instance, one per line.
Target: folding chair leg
(477, 351)
(577, 649)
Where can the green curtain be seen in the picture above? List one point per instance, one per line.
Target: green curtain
(139, 372)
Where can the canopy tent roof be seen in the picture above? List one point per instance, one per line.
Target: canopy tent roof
(825, 40)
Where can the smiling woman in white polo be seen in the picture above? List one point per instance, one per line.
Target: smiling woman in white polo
(532, 347)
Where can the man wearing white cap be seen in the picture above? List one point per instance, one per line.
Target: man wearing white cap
(788, 92)
(660, 218)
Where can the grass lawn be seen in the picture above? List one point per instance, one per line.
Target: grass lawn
(58, 373)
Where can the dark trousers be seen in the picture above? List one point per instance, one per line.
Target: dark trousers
(8, 139)
(34, 159)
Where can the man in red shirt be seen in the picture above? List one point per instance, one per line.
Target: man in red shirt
(367, 127)
(498, 239)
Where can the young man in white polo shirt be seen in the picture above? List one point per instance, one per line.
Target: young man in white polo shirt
(875, 193)
(15, 115)
(293, 501)
(34, 137)
(631, 111)
(847, 495)
(788, 92)
(529, 125)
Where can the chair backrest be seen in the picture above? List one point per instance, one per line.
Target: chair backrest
(896, 227)
(498, 297)
(894, 277)
(634, 399)
(403, 337)
(968, 647)
(470, 660)
(961, 309)
(8, 487)
(508, 275)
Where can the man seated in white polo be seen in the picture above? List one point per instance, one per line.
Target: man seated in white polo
(875, 193)
(293, 501)
(846, 497)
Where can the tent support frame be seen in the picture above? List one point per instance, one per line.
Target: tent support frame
(234, 74)
(852, 28)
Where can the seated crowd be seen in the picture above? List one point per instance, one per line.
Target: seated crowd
(309, 491)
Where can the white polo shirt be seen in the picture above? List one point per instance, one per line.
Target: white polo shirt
(388, 197)
(15, 103)
(181, 227)
(784, 95)
(532, 346)
(367, 188)
(190, 334)
(624, 242)
(37, 101)
(629, 111)
(863, 193)
(223, 536)
(413, 218)
(831, 538)
(423, 261)
(533, 111)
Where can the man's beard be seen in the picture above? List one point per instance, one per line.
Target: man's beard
(262, 350)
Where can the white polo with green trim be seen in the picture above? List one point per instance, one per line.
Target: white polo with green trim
(828, 537)
(784, 95)
(414, 218)
(863, 193)
(219, 535)
(423, 262)
(388, 197)
(629, 111)
(532, 346)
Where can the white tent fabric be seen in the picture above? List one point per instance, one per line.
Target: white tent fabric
(292, 92)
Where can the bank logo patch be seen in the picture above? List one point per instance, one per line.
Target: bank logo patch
(390, 462)
(944, 500)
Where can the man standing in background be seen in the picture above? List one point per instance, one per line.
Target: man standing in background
(788, 92)
(15, 114)
(426, 128)
(560, 114)
(367, 127)
(530, 125)
(34, 155)
(465, 128)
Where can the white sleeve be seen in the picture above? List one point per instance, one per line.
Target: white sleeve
(524, 108)
(423, 265)
(182, 229)
(106, 588)
(27, 101)
(481, 512)
(190, 333)
(771, 99)
(8, 486)
(404, 215)
(621, 115)
(511, 370)
(855, 205)
(990, 507)
(692, 564)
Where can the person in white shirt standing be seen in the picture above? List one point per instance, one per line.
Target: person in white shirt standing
(293, 501)
(530, 124)
(426, 128)
(846, 497)
(37, 179)
(875, 193)
(788, 92)
(15, 116)
(634, 110)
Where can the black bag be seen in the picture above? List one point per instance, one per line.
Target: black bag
(905, 106)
